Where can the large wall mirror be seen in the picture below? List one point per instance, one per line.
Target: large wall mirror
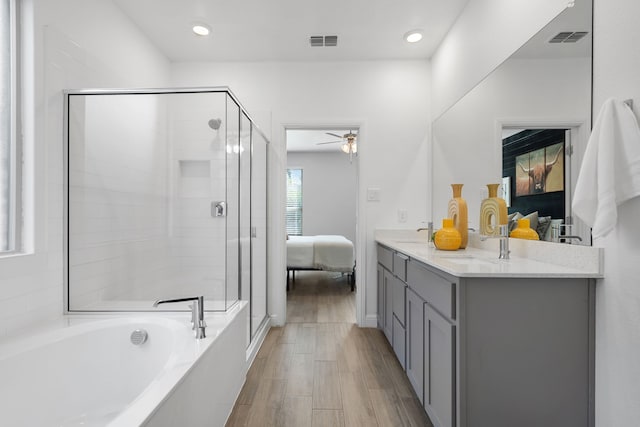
(525, 126)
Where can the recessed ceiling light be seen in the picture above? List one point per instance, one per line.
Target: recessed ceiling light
(201, 29)
(413, 36)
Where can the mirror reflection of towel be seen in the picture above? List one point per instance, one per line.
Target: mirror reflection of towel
(610, 171)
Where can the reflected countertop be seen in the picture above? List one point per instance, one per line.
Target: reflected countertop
(480, 259)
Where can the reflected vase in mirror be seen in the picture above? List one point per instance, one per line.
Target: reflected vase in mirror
(493, 212)
(447, 238)
(524, 231)
(458, 213)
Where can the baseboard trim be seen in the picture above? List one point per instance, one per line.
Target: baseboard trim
(370, 321)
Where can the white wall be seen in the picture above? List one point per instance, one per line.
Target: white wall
(616, 64)
(328, 192)
(486, 33)
(467, 139)
(67, 44)
(387, 100)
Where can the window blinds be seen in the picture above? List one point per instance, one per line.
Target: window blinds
(294, 202)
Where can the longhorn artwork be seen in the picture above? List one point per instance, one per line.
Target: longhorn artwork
(540, 171)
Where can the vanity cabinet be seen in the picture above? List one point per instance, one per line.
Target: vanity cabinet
(391, 299)
(491, 351)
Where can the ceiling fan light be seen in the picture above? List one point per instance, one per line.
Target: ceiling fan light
(349, 148)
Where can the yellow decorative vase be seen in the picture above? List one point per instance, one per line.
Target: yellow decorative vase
(524, 231)
(493, 212)
(458, 213)
(448, 237)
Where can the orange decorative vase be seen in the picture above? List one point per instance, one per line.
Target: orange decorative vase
(493, 212)
(524, 231)
(448, 237)
(458, 213)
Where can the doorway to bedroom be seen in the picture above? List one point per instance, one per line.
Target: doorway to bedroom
(321, 224)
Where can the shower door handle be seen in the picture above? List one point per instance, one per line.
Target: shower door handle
(218, 209)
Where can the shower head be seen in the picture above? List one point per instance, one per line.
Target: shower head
(215, 124)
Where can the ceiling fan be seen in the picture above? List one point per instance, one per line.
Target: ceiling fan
(348, 140)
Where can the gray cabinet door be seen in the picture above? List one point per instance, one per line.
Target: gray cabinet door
(415, 342)
(440, 372)
(399, 341)
(388, 309)
(380, 282)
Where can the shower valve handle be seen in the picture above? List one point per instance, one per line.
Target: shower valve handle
(218, 209)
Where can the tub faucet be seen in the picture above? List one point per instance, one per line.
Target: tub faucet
(197, 313)
(504, 241)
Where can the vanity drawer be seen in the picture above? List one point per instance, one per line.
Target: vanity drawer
(385, 257)
(437, 290)
(400, 265)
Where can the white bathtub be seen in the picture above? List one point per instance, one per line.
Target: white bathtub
(88, 373)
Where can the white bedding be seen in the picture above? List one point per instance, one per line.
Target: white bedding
(329, 253)
(300, 252)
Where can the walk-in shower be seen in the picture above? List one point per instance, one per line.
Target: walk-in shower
(165, 197)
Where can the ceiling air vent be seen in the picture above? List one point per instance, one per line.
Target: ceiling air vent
(326, 41)
(568, 37)
(331, 40)
(316, 41)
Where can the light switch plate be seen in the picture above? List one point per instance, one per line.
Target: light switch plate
(373, 194)
(402, 215)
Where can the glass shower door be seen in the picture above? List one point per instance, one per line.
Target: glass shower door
(153, 199)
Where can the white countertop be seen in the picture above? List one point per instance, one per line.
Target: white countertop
(571, 261)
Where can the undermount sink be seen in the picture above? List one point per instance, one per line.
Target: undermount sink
(465, 259)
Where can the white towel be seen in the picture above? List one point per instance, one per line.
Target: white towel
(610, 171)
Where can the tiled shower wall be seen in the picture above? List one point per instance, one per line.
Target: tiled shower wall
(198, 163)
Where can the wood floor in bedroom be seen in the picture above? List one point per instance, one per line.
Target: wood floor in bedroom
(320, 369)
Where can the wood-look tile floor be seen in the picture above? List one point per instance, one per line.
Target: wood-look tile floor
(320, 369)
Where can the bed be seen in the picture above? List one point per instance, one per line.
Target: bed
(324, 253)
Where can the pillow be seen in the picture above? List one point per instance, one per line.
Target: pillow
(533, 219)
(543, 225)
(513, 220)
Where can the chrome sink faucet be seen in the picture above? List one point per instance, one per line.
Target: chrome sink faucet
(197, 313)
(556, 236)
(504, 241)
(429, 230)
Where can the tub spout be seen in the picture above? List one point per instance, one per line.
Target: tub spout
(197, 312)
